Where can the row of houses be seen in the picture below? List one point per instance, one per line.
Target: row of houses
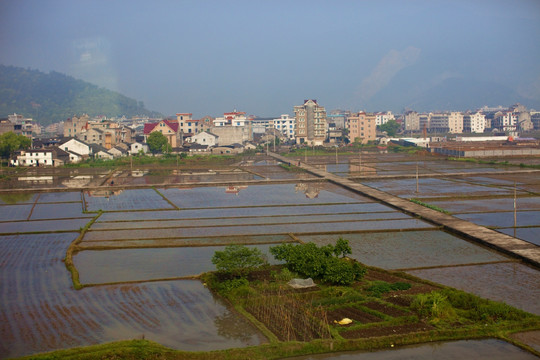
(71, 150)
(512, 119)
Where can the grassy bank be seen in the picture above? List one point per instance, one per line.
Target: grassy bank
(163, 160)
(432, 207)
(494, 162)
(73, 248)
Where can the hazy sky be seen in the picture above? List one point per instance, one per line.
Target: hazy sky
(264, 57)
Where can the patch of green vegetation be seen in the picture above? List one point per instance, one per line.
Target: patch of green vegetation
(238, 260)
(321, 262)
(291, 167)
(382, 287)
(162, 160)
(432, 207)
(480, 161)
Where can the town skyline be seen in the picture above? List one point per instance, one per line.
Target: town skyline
(264, 58)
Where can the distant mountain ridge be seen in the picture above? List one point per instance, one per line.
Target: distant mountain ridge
(54, 97)
(451, 94)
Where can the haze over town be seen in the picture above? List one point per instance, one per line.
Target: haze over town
(264, 57)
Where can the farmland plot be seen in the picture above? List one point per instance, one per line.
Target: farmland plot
(41, 311)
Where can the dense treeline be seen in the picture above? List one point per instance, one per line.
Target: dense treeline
(53, 97)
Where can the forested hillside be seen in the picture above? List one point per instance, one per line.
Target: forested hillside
(53, 97)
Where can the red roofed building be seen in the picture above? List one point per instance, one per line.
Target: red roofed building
(168, 128)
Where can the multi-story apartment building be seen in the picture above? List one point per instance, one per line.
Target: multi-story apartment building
(455, 122)
(56, 128)
(286, 125)
(505, 120)
(383, 117)
(310, 123)
(425, 120)
(206, 123)
(439, 122)
(186, 124)
(235, 118)
(362, 127)
(474, 122)
(76, 125)
(412, 121)
(339, 118)
(451, 122)
(21, 125)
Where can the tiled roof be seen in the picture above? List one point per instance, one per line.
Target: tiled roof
(149, 127)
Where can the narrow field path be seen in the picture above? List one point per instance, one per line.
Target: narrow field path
(523, 250)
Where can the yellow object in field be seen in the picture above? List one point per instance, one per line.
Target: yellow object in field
(344, 321)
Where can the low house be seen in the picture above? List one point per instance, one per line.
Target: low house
(99, 152)
(40, 157)
(229, 149)
(137, 147)
(75, 158)
(76, 146)
(197, 148)
(205, 138)
(118, 151)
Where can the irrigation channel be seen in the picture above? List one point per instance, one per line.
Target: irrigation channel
(150, 233)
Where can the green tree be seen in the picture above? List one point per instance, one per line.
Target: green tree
(238, 260)
(11, 142)
(391, 127)
(342, 247)
(321, 262)
(156, 142)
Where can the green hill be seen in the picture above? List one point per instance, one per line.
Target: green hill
(53, 97)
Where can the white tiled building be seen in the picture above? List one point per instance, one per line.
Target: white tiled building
(286, 125)
(474, 122)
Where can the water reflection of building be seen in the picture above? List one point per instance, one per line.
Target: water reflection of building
(311, 190)
(77, 181)
(138, 173)
(36, 179)
(234, 189)
(104, 193)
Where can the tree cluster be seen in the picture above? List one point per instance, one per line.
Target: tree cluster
(322, 263)
(11, 142)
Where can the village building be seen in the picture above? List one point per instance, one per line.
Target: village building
(169, 129)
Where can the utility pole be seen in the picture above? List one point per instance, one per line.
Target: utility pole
(515, 209)
(417, 177)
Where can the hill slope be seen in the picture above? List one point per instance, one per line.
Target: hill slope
(54, 97)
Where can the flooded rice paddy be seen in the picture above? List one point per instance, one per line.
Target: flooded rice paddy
(139, 249)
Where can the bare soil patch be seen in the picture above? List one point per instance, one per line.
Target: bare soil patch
(352, 313)
(385, 309)
(386, 330)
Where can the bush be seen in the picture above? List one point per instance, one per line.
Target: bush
(320, 262)
(232, 284)
(433, 305)
(476, 308)
(238, 260)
